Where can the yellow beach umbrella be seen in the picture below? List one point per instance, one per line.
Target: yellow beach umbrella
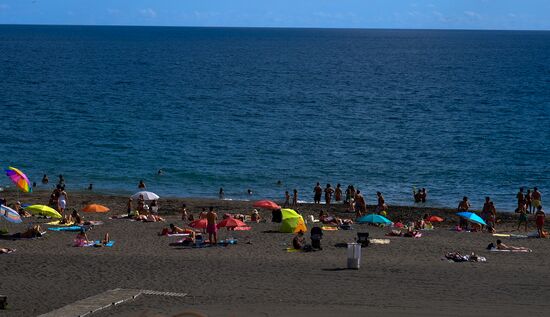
(43, 210)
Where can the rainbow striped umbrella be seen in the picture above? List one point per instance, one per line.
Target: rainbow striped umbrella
(10, 214)
(19, 179)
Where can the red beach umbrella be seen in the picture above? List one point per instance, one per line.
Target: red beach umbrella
(435, 219)
(266, 204)
(199, 224)
(231, 223)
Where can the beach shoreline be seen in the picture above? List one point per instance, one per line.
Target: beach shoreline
(258, 276)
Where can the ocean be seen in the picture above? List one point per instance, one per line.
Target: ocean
(461, 113)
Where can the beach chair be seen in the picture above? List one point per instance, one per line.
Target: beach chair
(363, 239)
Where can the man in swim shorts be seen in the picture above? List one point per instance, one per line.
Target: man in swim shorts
(211, 228)
(537, 198)
(318, 191)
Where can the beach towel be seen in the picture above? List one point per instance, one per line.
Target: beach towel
(227, 242)
(379, 241)
(510, 235)
(96, 243)
(242, 228)
(177, 234)
(292, 250)
(109, 244)
(71, 228)
(329, 228)
(520, 251)
(56, 223)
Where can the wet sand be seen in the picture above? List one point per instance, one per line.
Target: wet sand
(405, 277)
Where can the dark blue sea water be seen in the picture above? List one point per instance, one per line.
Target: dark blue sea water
(458, 112)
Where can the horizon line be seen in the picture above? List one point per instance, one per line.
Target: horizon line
(274, 27)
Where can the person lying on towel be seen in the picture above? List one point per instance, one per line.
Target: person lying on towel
(173, 229)
(32, 232)
(502, 246)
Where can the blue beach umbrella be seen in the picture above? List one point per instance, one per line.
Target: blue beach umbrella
(470, 216)
(10, 214)
(374, 218)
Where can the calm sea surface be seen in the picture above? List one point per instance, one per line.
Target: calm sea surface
(458, 112)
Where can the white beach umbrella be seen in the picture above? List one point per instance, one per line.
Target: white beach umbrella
(146, 195)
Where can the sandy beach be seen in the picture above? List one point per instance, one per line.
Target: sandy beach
(260, 278)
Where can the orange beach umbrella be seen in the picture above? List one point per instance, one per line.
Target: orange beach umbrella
(95, 208)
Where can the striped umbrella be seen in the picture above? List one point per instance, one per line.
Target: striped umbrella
(19, 179)
(10, 214)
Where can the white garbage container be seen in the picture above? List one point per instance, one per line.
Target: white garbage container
(354, 255)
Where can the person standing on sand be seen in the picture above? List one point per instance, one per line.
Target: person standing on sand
(141, 185)
(360, 205)
(295, 197)
(521, 200)
(328, 195)
(287, 199)
(129, 207)
(184, 214)
(522, 217)
(221, 193)
(491, 218)
(539, 219)
(486, 209)
(463, 206)
(62, 202)
(528, 201)
(338, 193)
(381, 206)
(537, 198)
(318, 191)
(211, 229)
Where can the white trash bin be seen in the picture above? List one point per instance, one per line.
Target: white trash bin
(354, 256)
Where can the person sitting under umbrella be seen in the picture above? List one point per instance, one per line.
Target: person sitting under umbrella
(255, 216)
(299, 241)
(20, 211)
